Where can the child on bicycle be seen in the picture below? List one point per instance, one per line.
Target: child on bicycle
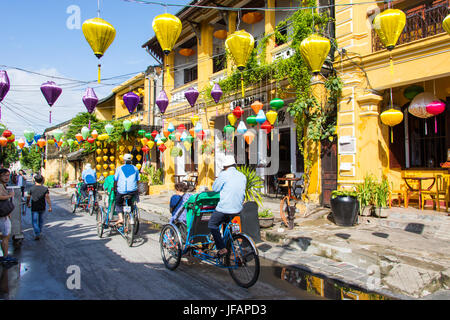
(177, 202)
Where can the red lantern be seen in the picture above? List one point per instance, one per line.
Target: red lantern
(181, 128)
(162, 148)
(266, 126)
(145, 149)
(201, 135)
(435, 108)
(7, 133)
(91, 140)
(238, 112)
(154, 134)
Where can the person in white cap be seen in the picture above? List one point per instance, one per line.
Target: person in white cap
(89, 176)
(231, 184)
(125, 183)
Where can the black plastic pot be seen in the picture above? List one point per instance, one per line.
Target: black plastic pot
(345, 210)
(143, 188)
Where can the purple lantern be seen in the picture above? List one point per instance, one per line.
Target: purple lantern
(90, 100)
(191, 95)
(162, 101)
(216, 93)
(4, 86)
(131, 101)
(51, 93)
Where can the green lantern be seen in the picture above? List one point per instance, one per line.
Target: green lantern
(149, 136)
(109, 128)
(141, 133)
(228, 129)
(251, 120)
(163, 139)
(172, 137)
(190, 139)
(276, 104)
(412, 91)
(127, 125)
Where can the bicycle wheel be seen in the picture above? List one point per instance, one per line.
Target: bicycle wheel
(74, 202)
(91, 205)
(170, 245)
(101, 216)
(284, 210)
(242, 261)
(128, 230)
(136, 220)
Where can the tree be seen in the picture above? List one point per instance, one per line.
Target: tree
(31, 158)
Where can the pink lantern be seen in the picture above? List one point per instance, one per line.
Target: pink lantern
(435, 108)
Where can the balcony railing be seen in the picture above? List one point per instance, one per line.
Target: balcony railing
(422, 21)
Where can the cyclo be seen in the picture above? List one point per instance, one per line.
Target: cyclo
(105, 220)
(89, 203)
(193, 238)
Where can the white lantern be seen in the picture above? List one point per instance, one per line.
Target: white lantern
(418, 106)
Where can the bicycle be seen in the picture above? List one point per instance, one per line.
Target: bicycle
(131, 219)
(177, 240)
(287, 211)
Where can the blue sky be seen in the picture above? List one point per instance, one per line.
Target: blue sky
(36, 38)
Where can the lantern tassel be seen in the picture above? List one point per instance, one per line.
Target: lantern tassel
(435, 125)
(391, 62)
(426, 131)
(99, 72)
(50, 116)
(242, 85)
(392, 136)
(89, 124)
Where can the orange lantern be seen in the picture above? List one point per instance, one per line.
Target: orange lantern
(252, 17)
(220, 34)
(3, 141)
(257, 106)
(192, 132)
(166, 133)
(187, 52)
(79, 137)
(41, 143)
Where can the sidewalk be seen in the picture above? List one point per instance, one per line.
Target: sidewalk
(404, 256)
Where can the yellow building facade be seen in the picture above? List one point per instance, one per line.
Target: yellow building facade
(417, 146)
(201, 33)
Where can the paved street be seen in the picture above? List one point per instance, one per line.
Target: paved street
(109, 269)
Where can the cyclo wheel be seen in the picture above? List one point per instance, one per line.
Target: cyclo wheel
(100, 221)
(74, 202)
(242, 261)
(91, 205)
(170, 245)
(284, 210)
(128, 230)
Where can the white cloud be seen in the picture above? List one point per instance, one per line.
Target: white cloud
(29, 107)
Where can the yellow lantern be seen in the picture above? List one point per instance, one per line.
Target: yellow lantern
(240, 45)
(98, 175)
(112, 166)
(187, 145)
(314, 51)
(130, 148)
(99, 159)
(50, 141)
(121, 148)
(98, 151)
(105, 166)
(151, 144)
(111, 173)
(138, 157)
(98, 144)
(121, 157)
(111, 150)
(194, 120)
(98, 167)
(112, 158)
(446, 24)
(271, 116)
(167, 28)
(391, 117)
(105, 174)
(389, 25)
(232, 118)
(99, 34)
(138, 149)
(138, 166)
(105, 158)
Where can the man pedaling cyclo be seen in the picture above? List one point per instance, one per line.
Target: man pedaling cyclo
(125, 183)
(89, 177)
(231, 184)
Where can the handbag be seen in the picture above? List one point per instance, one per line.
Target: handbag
(6, 207)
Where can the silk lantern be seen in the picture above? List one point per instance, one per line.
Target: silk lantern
(21, 143)
(79, 137)
(252, 17)
(256, 106)
(94, 134)
(4, 86)
(28, 134)
(192, 132)
(446, 24)
(249, 136)
(260, 117)
(195, 119)
(314, 50)
(98, 167)
(171, 127)
(276, 104)
(162, 148)
(162, 101)
(131, 101)
(216, 93)
(232, 119)
(251, 120)
(220, 34)
(41, 143)
(90, 101)
(412, 91)
(150, 144)
(241, 128)
(418, 106)
(51, 92)
(109, 128)
(191, 96)
(238, 112)
(3, 141)
(167, 28)
(198, 127)
(85, 133)
(271, 116)
(90, 140)
(435, 108)
(100, 35)
(105, 166)
(391, 117)
(187, 52)
(266, 126)
(7, 133)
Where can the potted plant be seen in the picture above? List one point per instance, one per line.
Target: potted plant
(143, 183)
(265, 218)
(254, 185)
(381, 199)
(345, 207)
(366, 195)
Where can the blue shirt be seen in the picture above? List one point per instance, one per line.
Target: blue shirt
(231, 184)
(127, 177)
(89, 176)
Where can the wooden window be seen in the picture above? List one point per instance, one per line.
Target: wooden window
(190, 74)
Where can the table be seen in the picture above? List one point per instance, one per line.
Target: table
(420, 179)
(290, 181)
(178, 177)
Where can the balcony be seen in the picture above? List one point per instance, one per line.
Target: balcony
(282, 52)
(178, 93)
(422, 21)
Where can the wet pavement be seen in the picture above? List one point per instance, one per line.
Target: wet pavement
(71, 262)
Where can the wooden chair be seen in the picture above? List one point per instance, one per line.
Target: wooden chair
(439, 193)
(399, 195)
(411, 194)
